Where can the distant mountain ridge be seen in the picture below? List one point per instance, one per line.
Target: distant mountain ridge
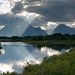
(15, 28)
(63, 29)
(20, 27)
(32, 31)
(73, 28)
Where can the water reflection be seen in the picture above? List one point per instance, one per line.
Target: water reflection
(43, 49)
(5, 67)
(2, 51)
(51, 52)
(15, 54)
(58, 47)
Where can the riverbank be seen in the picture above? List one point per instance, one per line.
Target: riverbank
(52, 42)
(63, 64)
(55, 44)
(44, 43)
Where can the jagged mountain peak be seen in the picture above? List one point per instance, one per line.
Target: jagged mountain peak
(63, 29)
(32, 31)
(15, 28)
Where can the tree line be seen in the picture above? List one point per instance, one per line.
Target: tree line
(56, 36)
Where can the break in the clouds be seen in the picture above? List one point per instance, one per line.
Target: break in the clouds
(9, 10)
(48, 10)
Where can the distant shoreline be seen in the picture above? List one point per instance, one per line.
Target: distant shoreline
(54, 39)
(48, 42)
(53, 42)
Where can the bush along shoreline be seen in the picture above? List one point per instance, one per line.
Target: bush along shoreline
(63, 64)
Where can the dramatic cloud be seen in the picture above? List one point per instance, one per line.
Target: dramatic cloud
(9, 10)
(55, 10)
(48, 10)
(18, 8)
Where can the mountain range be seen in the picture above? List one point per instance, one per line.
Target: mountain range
(20, 27)
(16, 28)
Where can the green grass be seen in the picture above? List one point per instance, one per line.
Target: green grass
(63, 64)
(57, 42)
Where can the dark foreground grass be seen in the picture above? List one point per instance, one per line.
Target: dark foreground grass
(63, 64)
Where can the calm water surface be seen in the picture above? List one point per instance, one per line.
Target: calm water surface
(15, 54)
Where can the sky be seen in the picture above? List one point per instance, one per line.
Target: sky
(44, 13)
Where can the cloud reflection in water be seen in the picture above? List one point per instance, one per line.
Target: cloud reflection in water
(18, 53)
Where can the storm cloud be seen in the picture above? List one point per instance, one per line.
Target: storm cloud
(49, 10)
(18, 8)
(55, 10)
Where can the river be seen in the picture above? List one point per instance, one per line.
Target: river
(14, 55)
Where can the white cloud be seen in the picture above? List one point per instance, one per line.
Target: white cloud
(5, 7)
(51, 25)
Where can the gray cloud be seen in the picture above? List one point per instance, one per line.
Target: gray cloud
(6, 18)
(33, 0)
(55, 10)
(18, 7)
(49, 10)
